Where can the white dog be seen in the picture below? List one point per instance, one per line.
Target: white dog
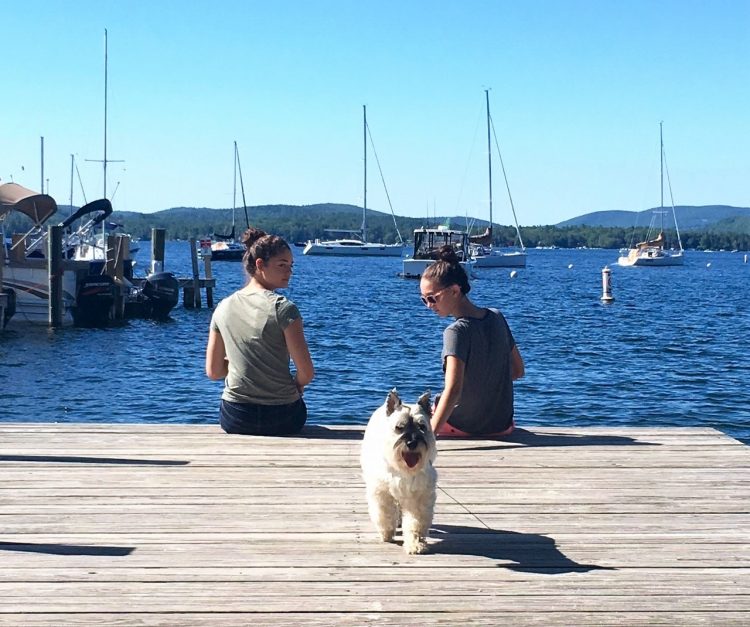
(397, 458)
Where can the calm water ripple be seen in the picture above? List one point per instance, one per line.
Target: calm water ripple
(670, 351)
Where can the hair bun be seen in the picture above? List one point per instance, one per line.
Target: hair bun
(251, 236)
(448, 254)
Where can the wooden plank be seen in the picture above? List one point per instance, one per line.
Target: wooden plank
(635, 617)
(182, 524)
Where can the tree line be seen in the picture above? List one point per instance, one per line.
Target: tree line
(302, 223)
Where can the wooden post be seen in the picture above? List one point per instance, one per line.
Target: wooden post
(55, 271)
(2, 261)
(209, 276)
(205, 246)
(158, 237)
(110, 255)
(3, 296)
(121, 249)
(196, 274)
(17, 248)
(123, 255)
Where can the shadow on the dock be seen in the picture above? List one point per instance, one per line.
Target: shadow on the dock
(523, 438)
(319, 432)
(75, 459)
(67, 549)
(529, 552)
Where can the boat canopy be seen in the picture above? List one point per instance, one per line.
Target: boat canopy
(427, 242)
(37, 207)
(103, 205)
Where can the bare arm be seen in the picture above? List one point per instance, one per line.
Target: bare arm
(454, 382)
(217, 366)
(296, 343)
(517, 369)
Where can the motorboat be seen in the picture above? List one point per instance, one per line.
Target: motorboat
(427, 245)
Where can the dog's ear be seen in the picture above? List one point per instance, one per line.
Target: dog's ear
(393, 402)
(424, 403)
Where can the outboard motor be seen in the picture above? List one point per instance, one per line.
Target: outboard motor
(162, 291)
(95, 297)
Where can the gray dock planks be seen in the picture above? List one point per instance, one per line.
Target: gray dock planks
(114, 524)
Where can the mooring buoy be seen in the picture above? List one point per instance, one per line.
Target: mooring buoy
(607, 285)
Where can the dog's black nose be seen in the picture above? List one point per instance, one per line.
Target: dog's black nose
(412, 443)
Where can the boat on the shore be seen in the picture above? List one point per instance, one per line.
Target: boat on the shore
(356, 245)
(653, 251)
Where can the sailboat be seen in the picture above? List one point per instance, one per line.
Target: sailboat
(653, 251)
(227, 248)
(480, 246)
(356, 245)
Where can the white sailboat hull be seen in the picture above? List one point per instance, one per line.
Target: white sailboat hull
(499, 259)
(651, 258)
(352, 248)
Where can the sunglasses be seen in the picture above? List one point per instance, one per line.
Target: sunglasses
(431, 299)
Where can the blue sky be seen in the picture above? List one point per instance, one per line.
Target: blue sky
(578, 89)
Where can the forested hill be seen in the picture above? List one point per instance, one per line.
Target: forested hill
(688, 217)
(715, 226)
(295, 222)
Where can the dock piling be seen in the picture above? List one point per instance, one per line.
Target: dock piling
(3, 295)
(118, 249)
(55, 272)
(196, 274)
(206, 254)
(158, 238)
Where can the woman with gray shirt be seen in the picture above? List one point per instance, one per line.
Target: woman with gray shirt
(480, 356)
(254, 333)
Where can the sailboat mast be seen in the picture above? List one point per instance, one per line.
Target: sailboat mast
(364, 144)
(72, 167)
(41, 158)
(104, 161)
(105, 114)
(661, 170)
(489, 151)
(234, 188)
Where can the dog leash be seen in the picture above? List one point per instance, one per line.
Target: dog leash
(466, 509)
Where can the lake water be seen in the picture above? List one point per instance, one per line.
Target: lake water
(672, 350)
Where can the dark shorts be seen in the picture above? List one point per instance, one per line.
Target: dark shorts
(252, 419)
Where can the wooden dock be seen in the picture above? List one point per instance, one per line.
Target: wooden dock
(110, 524)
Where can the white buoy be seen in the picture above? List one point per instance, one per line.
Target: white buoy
(708, 265)
(513, 274)
(745, 258)
(607, 285)
(570, 265)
